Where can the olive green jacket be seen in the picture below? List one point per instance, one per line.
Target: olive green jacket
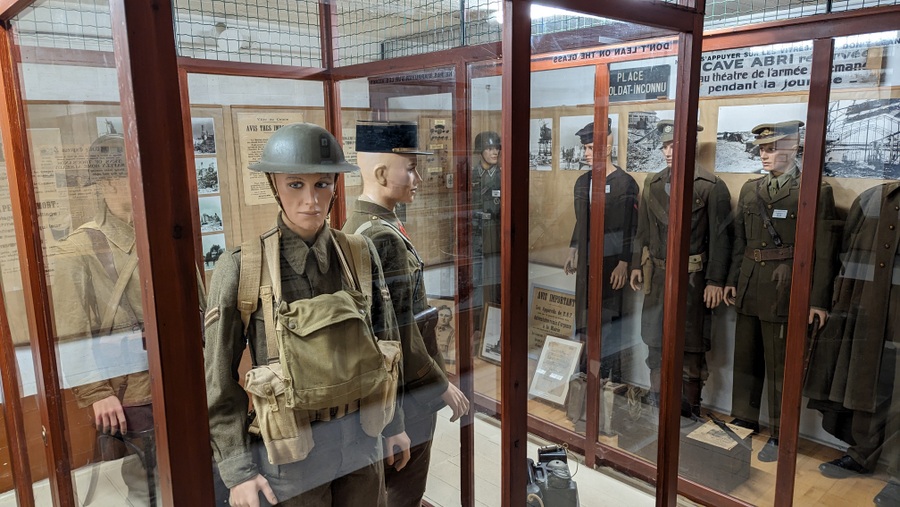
(711, 223)
(759, 292)
(306, 271)
(81, 291)
(424, 379)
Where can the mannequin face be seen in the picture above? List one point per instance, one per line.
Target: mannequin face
(668, 150)
(491, 155)
(401, 178)
(589, 154)
(117, 196)
(778, 157)
(305, 199)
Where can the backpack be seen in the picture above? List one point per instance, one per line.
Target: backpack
(323, 352)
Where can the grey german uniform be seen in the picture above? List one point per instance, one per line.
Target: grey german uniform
(344, 466)
(425, 380)
(710, 255)
(761, 272)
(486, 234)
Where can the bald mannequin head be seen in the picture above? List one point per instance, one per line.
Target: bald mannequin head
(388, 178)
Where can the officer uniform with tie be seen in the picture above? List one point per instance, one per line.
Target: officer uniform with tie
(759, 283)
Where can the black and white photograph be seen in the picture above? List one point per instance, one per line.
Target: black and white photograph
(571, 151)
(644, 148)
(207, 175)
(735, 151)
(213, 248)
(204, 136)
(863, 139)
(107, 125)
(540, 154)
(490, 334)
(211, 214)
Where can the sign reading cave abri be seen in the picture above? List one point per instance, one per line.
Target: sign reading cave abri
(639, 83)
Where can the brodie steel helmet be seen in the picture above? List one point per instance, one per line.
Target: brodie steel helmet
(302, 148)
(485, 140)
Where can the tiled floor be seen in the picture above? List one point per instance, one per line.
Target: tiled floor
(594, 488)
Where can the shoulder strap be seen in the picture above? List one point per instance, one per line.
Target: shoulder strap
(249, 282)
(360, 260)
(767, 222)
(104, 255)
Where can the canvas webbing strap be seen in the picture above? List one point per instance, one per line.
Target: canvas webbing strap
(109, 315)
(361, 261)
(270, 294)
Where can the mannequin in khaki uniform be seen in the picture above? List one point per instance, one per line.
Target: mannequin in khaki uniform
(710, 254)
(759, 284)
(386, 153)
(344, 466)
(82, 290)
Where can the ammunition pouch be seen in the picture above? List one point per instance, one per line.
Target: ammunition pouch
(286, 432)
(377, 409)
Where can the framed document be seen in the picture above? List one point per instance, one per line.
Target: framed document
(490, 334)
(555, 367)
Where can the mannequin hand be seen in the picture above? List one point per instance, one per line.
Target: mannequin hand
(571, 264)
(619, 275)
(109, 415)
(781, 275)
(713, 296)
(246, 494)
(637, 279)
(457, 401)
(817, 312)
(401, 443)
(729, 295)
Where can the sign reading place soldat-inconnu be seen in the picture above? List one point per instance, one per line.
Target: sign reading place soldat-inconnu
(639, 83)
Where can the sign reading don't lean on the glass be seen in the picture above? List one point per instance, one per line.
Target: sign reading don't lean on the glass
(639, 83)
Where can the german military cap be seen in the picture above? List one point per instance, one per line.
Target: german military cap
(400, 137)
(666, 129)
(770, 132)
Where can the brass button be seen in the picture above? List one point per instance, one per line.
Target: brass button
(763, 263)
(769, 206)
(292, 325)
(793, 215)
(897, 207)
(763, 243)
(881, 265)
(887, 245)
(699, 201)
(891, 227)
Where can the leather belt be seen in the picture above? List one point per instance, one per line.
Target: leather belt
(331, 413)
(769, 254)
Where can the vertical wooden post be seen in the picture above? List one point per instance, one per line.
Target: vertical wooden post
(328, 23)
(153, 120)
(804, 256)
(34, 279)
(594, 349)
(462, 128)
(190, 161)
(674, 308)
(514, 184)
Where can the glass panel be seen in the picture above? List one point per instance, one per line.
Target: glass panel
(14, 309)
(74, 131)
(753, 105)
(737, 13)
(281, 33)
(595, 146)
(849, 429)
(406, 205)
